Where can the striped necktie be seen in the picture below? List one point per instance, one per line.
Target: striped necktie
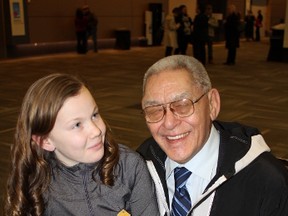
(181, 202)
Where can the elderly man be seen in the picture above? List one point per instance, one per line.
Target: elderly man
(202, 166)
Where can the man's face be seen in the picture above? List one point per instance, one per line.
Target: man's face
(180, 138)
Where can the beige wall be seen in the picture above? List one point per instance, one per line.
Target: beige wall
(53, 20)
(277, 10)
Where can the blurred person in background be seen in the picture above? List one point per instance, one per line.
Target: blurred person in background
(92, 23)
(232, 26)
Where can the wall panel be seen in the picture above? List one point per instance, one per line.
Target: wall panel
(278, 9)
(53, 20)
(51, 29)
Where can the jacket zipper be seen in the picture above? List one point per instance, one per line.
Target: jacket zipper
(88, 200)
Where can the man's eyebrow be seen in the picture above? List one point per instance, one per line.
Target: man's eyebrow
(151, 103)
(177, 97)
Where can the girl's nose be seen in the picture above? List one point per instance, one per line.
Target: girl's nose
(95, 130)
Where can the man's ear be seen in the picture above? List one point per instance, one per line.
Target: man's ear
(214, 103)
(43, 143)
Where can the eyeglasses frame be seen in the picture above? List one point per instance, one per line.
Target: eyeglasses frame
(165, 109)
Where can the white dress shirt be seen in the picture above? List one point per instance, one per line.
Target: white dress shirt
(203, 167)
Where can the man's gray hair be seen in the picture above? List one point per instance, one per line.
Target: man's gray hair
(197, 71)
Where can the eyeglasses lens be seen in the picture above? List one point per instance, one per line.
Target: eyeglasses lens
(154, 113)
(180, 108)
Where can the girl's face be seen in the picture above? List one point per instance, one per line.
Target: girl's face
(79, 131)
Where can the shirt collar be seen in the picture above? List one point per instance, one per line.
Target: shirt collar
(204, 162)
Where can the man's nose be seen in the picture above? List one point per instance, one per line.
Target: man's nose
(170, 119)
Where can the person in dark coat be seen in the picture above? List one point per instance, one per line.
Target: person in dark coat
(200, 35)
(249, 25)
(91, 26)
(80, 23)
(258, 25)
(232, 34)
(227, 167)
(184, 32)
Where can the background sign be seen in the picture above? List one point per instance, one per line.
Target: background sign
(17, 17)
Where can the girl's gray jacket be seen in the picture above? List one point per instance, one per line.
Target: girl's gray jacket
(74, 192)
(248, 181)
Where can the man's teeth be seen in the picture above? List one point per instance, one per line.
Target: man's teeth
(177, 137)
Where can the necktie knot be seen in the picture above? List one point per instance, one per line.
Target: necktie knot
(181, 202)
(181, 175)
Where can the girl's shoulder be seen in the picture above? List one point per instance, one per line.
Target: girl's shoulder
(129, 155)
(131, 167)
(130, 160)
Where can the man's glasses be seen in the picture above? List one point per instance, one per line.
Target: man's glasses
(180, 108)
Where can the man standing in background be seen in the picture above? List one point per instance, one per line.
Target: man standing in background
(232, 34)
(200, 34)
(91, 26)
(258, 25)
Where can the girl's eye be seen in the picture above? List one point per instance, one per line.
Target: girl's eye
(95, 115)
(77, 125)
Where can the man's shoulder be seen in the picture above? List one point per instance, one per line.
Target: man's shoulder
(271, 169)
(145, 147)
(238, 141)
(236, 128)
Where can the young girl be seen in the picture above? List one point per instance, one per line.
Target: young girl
(65, 162)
